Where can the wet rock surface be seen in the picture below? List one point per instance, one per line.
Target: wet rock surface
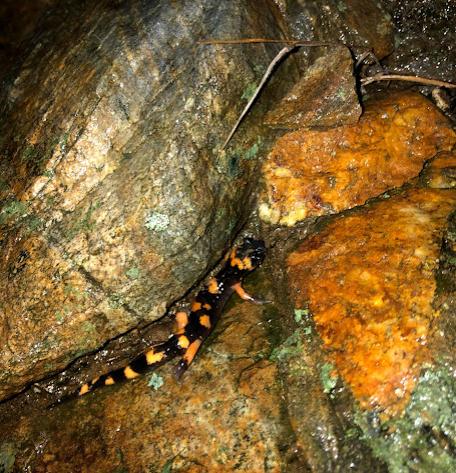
(17, 23)
(313, 172)
(115, 200)
(441, 172)
(363, 25)
(368, 279)
(424, 38)
(324, 96)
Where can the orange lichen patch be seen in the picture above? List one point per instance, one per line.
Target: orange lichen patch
(316, 172)
(369, 282)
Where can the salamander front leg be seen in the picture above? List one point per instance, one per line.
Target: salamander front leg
(241, 292)
(189, 354)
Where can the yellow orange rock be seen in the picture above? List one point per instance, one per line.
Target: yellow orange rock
(316, 172)
(369, 282)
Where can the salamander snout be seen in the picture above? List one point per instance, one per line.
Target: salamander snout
(253, 251)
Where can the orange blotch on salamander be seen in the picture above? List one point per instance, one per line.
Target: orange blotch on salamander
(213, 286)
(247, 263)
(130, 373)
(152, 357)
(237, 262)
(109, 380)
(183, 341)
(196, 306)
(181, 321)
(205, 321)
(85, 388)
(207, 306)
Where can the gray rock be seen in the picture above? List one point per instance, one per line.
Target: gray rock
(116, 198)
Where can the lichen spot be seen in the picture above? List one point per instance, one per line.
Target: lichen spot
(196, 306)
(84, 389)
(183, 341)
(213, 286)
(152, 357)
(205, 321)
(109, 380)
(129, 373)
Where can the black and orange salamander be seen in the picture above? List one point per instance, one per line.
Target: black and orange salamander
(193, 328)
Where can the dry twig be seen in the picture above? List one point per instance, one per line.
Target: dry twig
(420, 80)
(283, 52)
(265, 77)
(265, 40)
(293, 44)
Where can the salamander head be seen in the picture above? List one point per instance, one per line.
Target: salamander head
(248, 255)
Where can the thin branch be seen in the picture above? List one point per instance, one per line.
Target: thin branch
(420, 80)
(265, 40)
(296, 44)
(283, 52)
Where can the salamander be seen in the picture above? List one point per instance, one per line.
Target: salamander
(194, 327)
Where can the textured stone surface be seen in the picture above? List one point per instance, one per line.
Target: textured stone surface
(314, 172)
(425, 38)
(324, 96)
(114, 197)
(234, 410)
(441, 172)
(17, 23)
(369, 281)
(224, 415)
(363, 25)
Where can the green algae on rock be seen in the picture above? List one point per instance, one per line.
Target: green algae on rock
(423, 438)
